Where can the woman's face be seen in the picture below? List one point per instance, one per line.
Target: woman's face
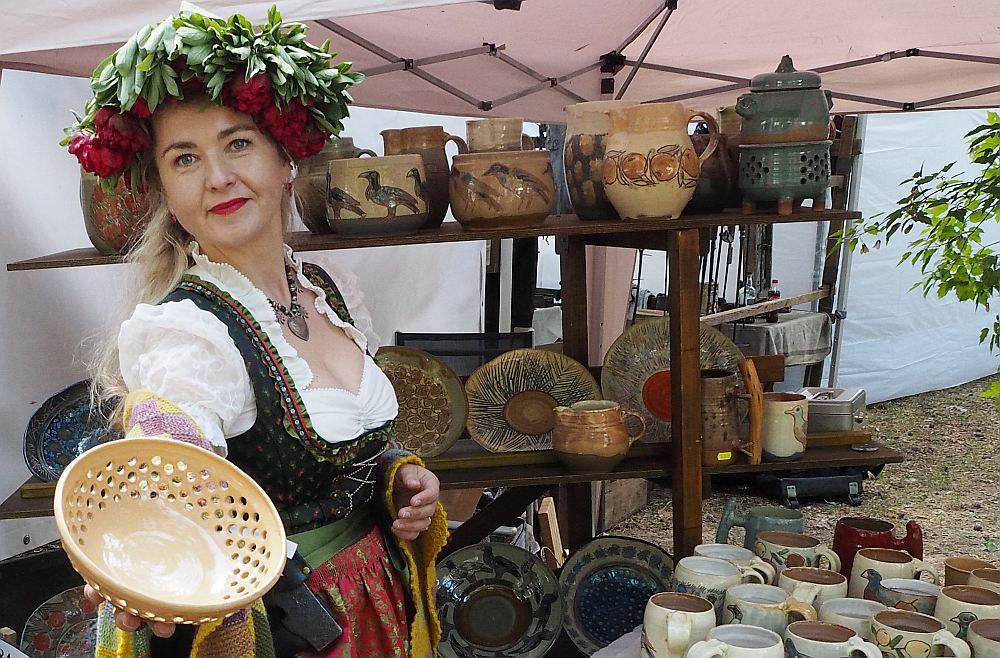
(222, 178)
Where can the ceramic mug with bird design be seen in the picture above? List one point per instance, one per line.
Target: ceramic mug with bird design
(765, 606)
(905, 634)
(672, 622)
(710, 577)
(794, 549)
(909, 594)
(984, 638)
(373, 196)
(873, 565)
(960, 605)
(820, 639)
(507, 189)
(785, 419)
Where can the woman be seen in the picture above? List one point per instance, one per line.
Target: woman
(239, 347)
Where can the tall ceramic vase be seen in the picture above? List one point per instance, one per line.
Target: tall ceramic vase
(587, 128)
(650, 167)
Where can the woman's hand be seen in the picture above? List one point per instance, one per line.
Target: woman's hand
(415, 492)
(128, 622)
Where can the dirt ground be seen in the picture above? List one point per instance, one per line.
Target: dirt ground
(949, 482)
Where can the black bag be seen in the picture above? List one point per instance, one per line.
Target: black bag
(300, 619)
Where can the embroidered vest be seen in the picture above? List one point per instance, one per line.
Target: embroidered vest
(311, 481)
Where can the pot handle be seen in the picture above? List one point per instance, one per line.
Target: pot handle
(753, 448)
(459, 142)
(632, 438)
(366, 152)
(713, 131)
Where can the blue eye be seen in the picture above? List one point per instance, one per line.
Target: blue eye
(184, 160)
(239, 144)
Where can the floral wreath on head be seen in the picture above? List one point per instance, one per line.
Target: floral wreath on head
(294, 91)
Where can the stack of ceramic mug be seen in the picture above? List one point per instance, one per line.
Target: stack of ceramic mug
(502, 181)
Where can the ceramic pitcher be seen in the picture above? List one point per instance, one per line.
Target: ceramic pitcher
(650, 166)
(759, 518)
(591, 436)
(587, 128)
(428, 142)
(855, 533)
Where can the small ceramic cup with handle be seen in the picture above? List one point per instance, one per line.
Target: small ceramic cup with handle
(794, 549)
(741, 557)
(672, 622)
(960, 605)
(813, 585)
(958, 568)
(738, 641)
(985, 577)
(984, 638)
(909, 594)
(905, 634)
(765, 606)
(710, 577)
(855, 614)
(820, 639)
(873, 565)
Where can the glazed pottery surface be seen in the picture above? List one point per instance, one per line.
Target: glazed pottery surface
(958, 568)
(370, 196)
(855, 614)
(903, 634)
(793, 549)
(650, 166)
(587, 128)
(820, 639)
(501, 134)
(985, 577)
(908, 594)
(765, 606)
(784, 173)
(785, 419)
(502, 189)
(591, 436)
(984, 638)
(813, 585)
(854, 533)
(721, 416)
(718, 182)
(113, 219)
(310, 183)
(710, 577)
(672, 622)
(757, 519)
(960, 605)
(873, 565)
(429, 143)
(741, 557)
(784, 106)
(738, 641)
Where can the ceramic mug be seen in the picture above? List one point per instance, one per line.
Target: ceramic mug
(739, 641)
(820, 639)
(591, 436)
(984, 638)
(958, 568)
(855, 614)
(873, 565)
(710, 577)
(758, 519)
(765, 606)
(741, 557)
(985, 577)
(960, 605)
(784, 434)
(854, 533)
(908, 594)
(813, 585)
(904, 634)
(793, 549)
(497, 135)
(672, 622)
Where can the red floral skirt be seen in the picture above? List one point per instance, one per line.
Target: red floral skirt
(368, 597)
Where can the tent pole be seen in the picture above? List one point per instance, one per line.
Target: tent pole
(671, 6)
(843, 285)
(956, 97)
(663, 68)
(641, 28)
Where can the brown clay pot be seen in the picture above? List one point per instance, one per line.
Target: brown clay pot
(591, 436)
(587, 128)
(115, 219)
(502, 188)
(428, 142)
(310, 184)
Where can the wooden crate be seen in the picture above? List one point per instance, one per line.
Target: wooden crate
(619, 499)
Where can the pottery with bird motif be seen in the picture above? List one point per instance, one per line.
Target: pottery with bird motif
(429, 143)
(904, 634)
(960, 605)
(374, 196)
(820, 639)
(873, 565)
(310, 183)
(502, 189)
(785, 418)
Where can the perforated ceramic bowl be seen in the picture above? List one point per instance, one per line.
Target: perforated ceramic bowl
(168, 531)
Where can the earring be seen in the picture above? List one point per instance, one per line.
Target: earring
(173, 218)
(288, 186)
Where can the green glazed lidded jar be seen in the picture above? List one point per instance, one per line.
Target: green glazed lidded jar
(785, 106)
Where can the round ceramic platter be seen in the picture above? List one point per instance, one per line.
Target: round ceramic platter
(65, 626)
(511, 398)
(606, 584)
(62, 428)
(432, 403)
(497, 600)
(636, 371)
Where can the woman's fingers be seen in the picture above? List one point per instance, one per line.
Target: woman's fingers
(127, 622)
(92, 595)
(162, 629)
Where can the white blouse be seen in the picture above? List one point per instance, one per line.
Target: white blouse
(185, 354)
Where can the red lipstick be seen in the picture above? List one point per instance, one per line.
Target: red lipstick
(228, 207)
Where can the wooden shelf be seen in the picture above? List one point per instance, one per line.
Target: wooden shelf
(638, 233)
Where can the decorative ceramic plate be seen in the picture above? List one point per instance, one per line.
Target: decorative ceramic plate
(497, 600)
(62, 428)
(636, 371)
(511, 398)
(60, 627)
(432, 403)
(606, 584)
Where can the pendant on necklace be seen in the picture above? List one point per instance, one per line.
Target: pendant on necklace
(297, 324)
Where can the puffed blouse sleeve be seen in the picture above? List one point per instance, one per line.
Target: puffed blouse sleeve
(185, 355)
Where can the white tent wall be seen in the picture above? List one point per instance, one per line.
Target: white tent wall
(48, 313)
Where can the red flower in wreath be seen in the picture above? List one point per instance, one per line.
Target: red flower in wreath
(249, 96)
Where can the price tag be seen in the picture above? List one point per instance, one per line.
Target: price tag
(723, 456)
(7, 651)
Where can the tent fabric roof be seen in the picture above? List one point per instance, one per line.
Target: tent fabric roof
(467, 58)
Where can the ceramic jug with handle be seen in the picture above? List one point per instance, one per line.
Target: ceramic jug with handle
(854, 533)
(758, 519)
(429, 143)
(591, 436)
